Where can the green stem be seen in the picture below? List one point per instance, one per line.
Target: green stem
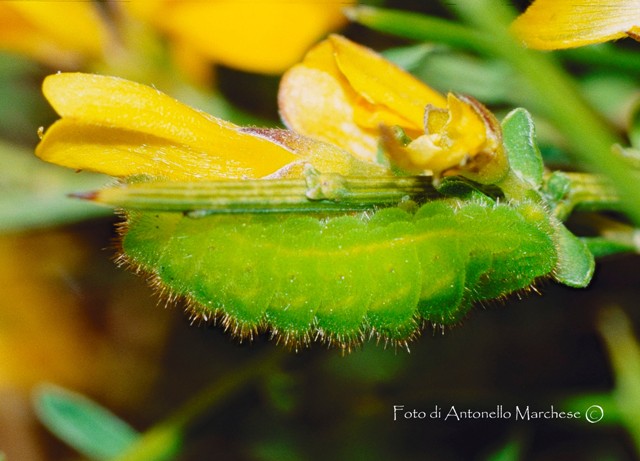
(605, 56)
(624, 354)
(568, 191)
(314, 193)
(419, 27)
(614, 237)
(604, 246)
(165, 440)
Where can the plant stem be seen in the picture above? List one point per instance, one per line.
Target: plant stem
(613, 236)
(605, 56)
(420, 27)
(164, 441)
(624, 354)
(314, 193)
(586, 192)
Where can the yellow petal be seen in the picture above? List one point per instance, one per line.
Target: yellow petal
(342, 92)
(120, 152)
(265, 37)
(123, 128)
(366, 113)
(467, 143)
(323, 156)
(56, 33)
(465, 130)
(314, 103)
(557, 24)
(384, 84)
(435, 119)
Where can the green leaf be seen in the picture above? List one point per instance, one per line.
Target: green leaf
(624, 353)
(416, 26)
(575, 262)
(162, 443)
(90, 429)
(519, 137)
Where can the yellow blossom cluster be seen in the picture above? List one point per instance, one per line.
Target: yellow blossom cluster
(340, 104)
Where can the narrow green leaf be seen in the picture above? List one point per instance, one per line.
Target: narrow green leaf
(624, 353)
(90, 429)
(421, 27)
(575, 262)
(608, 56)
(162, 443)
(519, 137)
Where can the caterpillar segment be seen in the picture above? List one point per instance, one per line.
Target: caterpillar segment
(345, 279)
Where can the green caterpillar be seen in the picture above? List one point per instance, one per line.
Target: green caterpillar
(341, 259)
(341, 279)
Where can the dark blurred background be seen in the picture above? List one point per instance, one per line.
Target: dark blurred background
(70, 316)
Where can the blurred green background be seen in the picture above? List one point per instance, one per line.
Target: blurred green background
(71, 317)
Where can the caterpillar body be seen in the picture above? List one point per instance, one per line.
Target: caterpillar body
(342, 279)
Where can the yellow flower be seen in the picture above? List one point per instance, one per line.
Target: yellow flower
(257, 36)
(61, 34)
(556, 24)
(343, 93)
(342, 103)
(122, 128)
(465, 139)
